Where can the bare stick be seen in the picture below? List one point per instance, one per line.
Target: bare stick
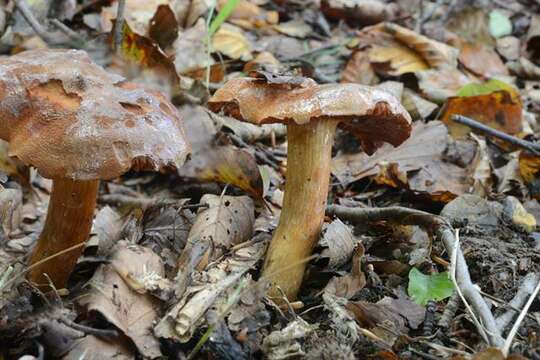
(513, 331)
(119, 25)
(530, 146)
(72, 35)
(444, 233)
(22, 6)
(526, 288)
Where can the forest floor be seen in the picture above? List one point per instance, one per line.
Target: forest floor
(429, 250)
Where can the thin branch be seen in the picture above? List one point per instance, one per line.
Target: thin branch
(25, 11)
(513, 331)
(527, 145)
(445, 233)
(525, 289)
(72, 35)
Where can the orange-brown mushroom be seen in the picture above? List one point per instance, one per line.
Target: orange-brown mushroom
(78, 124)
(311, 113)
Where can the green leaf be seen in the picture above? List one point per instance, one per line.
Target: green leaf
(223, 14)
(423, 288)
(499, 24)
(475, 89)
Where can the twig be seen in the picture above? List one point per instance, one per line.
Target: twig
(119, 25)
(445, 233)
(453, 272)
(526, 288)
(22, 6)
(513, 331)
(72, 35)
(108, 333)
(530, 146)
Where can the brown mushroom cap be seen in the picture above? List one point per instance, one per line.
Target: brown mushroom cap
(70, 118)
(372, 114)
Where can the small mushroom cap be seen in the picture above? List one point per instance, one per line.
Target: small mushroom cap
(372, 114)
(70, 118)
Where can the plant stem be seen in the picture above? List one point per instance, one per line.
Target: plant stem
(306, 189)
(68, 223)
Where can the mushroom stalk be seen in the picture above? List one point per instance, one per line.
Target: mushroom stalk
(306, 190)
(69, 221)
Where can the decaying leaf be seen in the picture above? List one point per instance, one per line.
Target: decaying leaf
(183, 318)
(226, 164)
(498, 109)
(115, 294)
(137, 14)
(347, 286)
(92, 347)
(359, 70)
(231, 41)
(282, 344)
(191, 49)
(438, 85)
(227, 221)
(107, 228)
(482, 60)
(395, 50)
(145, 55)
(417, 106)
(529, 168)
(417, 164)
(163, 26)
(11, 201)
(339, 243)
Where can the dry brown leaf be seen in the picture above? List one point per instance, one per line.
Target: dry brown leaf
(470, 25)
(107, 227)
(347, 286)
(231, 41)
(438, 85)
(500, 110)
(111, 294)
(482, 60)
(227, 221)
(417, 164)
(359, 70)
(296, 28)
(339, 243)
(11, 201)
(163, 26)
(92, 347)
(190, 49)
(226, 164)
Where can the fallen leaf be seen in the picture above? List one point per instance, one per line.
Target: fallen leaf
(497, 110)
(529, 169)
(227, 221)
(499, 24)
(439, 85)
(112, 296)
(296, 28)
(231, 41)
(191, 49)
(359, 70)
(92, 347)
(471, 24)
(347, 286)
(339, 242)
(510, 48)
(283, 344)
(417, 106)
(163, 26)
(417, 164)
(145, 54)
(482, 60)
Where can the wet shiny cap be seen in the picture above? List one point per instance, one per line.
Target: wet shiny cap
(373, 115)
(70, 118)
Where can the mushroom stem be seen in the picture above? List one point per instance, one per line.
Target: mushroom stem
(306, 190)
(69, 221)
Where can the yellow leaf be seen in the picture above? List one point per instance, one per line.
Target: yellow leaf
(230, 40)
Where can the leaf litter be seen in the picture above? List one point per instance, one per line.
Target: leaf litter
(173, 264)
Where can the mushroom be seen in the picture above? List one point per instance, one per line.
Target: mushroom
(77, 124)
(311, 112)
